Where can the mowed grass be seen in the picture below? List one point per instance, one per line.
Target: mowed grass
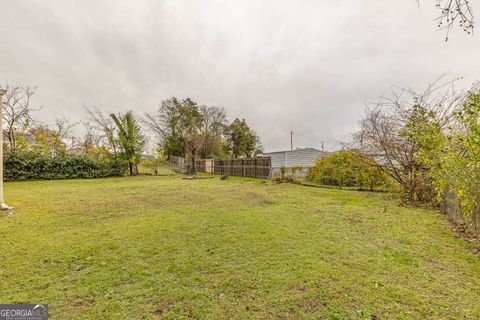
(163, 247)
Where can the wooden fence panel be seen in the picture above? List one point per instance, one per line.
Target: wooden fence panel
(237, 167)
(227, 167)
(200, 166)
(217, 166)
(262, 168)
(253, 168)
(249, 168)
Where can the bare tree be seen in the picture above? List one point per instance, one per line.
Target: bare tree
(91, 138)
(17, 112)
(382, 131)
(64, 127)
(156, 122)
(214, 124)
(104, 122)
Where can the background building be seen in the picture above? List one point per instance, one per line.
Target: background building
(304, 158)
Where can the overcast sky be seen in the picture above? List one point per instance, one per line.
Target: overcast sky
(306, 66)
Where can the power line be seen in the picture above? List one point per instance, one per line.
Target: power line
(314, 139)
(322, 142)
(303, 136)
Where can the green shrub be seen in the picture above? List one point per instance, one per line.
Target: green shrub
(35, 167)
(348, 169)
(451, 153)
(154, 161)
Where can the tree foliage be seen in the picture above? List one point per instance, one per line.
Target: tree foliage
(452, 154)
(45, 142)
(155, 160)
(383, 134)
(214, 124)
(183, 124)
(241, 141)
(430, 143)
(189, 130)
(185, 129)
(130, 138)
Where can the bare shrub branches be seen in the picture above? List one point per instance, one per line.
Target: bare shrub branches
(17, 112)
(382, 131)
(104, 123)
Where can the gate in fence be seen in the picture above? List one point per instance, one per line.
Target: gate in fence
(253, 168)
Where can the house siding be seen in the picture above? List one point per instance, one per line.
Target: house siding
(295, 158)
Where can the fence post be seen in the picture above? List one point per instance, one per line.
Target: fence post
(243, 169)
(255, 167)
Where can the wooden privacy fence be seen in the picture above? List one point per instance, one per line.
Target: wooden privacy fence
(253, 168)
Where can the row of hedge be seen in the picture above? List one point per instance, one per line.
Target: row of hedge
(34, 167)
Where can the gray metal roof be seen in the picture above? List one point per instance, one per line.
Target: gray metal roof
(294, 150)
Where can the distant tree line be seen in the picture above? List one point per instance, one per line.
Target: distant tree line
(189, 130)
(181, 127)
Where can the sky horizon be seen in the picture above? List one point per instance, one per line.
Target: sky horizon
(301, 66)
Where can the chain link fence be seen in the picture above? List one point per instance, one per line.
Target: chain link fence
(465, 222)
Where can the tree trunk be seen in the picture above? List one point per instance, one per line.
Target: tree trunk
(191, 162)
(11, 139)
(133, 169)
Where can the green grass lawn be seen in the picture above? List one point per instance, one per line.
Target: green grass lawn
(163, 247)
(162, 170)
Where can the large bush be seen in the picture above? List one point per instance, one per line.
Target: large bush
(35, 167)
(452, 154)
(348, 169)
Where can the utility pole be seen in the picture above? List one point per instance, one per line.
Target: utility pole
(3, 205)
(323, 150)
(291, 140)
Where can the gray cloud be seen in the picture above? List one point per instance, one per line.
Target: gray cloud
(281, 65)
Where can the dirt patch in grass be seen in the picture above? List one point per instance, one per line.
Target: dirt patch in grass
(84, 303)
(255, 199)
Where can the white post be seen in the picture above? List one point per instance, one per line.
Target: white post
(3, 205)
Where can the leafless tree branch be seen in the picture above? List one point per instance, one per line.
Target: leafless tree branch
(454, 12)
